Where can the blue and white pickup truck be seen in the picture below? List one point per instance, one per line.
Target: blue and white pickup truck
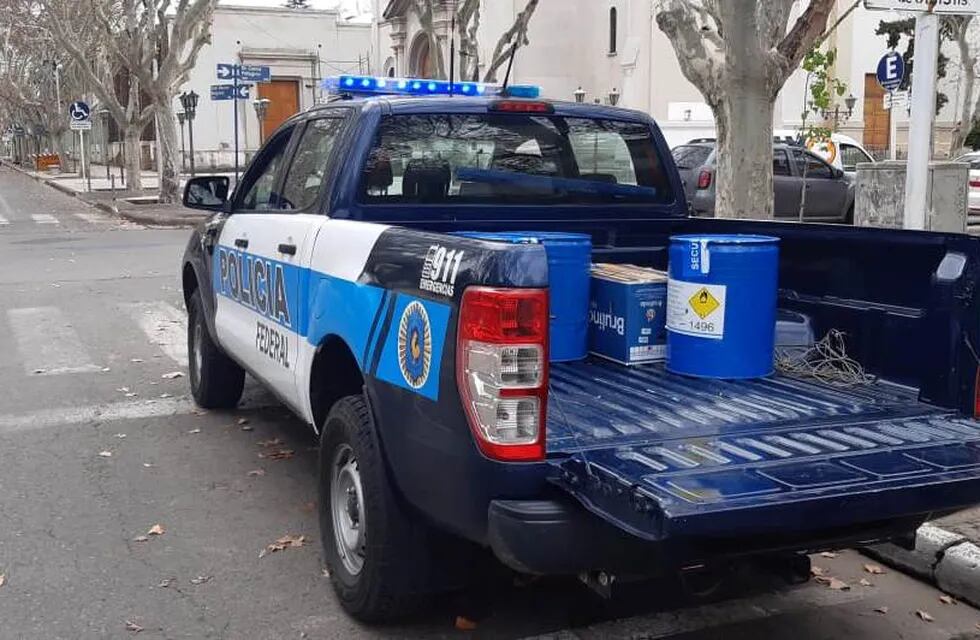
(331, 275)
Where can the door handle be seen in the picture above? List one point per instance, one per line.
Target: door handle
(241, 243)
(288, 249)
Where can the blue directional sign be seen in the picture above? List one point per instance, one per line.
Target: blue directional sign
(891, 71)
(227, 92)
(244, 72)
(79, 111)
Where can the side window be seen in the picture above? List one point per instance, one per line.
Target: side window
(305, 175)
(260, 195)
(603, 156)
(851, 156)
(780, 163)
(817, 168)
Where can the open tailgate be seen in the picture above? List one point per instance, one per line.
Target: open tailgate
(666, 457)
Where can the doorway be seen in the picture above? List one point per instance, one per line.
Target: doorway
(877, 119)
(283, 98)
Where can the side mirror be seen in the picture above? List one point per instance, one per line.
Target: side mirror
(206, 192)
(838, 173)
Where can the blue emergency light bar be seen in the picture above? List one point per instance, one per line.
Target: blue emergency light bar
(378, 85)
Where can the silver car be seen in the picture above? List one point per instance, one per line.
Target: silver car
(829, 194)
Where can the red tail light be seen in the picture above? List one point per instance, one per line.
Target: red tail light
(704, 179)
(521, 106)
(502, 370)
(975, 183)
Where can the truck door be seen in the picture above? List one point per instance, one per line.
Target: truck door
(825, 193)
(786, 187)
(264, 254)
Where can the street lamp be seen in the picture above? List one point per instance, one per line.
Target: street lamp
(261, 109)
(614, 96)
(579, 95)
(839, 115)
(189, 102)
(181, 116)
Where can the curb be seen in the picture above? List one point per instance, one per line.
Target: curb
(948, 560)
(175, 220)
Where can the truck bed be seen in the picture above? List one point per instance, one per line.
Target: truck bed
(661, 454)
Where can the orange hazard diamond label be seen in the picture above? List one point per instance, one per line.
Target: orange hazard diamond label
(703, 303)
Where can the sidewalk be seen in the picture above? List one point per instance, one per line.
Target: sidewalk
(109, 194)
(946, 553)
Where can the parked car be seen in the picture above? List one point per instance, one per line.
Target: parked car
(829, 194)
(842, 152)
(332, 275)
(974, 161)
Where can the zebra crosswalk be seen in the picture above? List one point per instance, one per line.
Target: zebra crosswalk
(8, 220)
(53, 341)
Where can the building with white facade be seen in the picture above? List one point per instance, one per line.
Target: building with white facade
(615, 47)
(301, 46)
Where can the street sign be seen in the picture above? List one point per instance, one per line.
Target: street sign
(79, 111)
(227, 91)
(891, 71)
(80, 125)
(961, 7)
(244, 72)
(895, 99)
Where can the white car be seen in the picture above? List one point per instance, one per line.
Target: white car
(974, 161)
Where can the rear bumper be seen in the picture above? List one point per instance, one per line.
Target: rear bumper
(560, 537)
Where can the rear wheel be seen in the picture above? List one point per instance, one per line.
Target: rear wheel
(216, 380)
(377, 555)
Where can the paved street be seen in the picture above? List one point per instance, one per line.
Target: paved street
(99, 443)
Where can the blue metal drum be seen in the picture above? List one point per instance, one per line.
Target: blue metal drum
(721, 305)
(569, 262)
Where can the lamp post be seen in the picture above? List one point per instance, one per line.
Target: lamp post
(104, 112)
(181, 116)
(579, 94)
(839, 115)
(614, 97)
(261, 109)
(189, 102)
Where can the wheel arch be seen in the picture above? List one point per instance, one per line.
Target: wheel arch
(189, 282)
(334, 374)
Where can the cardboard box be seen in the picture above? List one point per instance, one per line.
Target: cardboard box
(627, 310)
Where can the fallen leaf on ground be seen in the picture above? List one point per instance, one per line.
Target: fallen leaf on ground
(123, 389)
(465, 624)
(140, 539)
(132, 626)
(243, 421)
(924, 615)
(136, 359)
(255, 473)
(166, 582)
(285, 542)
(105, 454)
(131, 394)
(172, 375)
(247, 428)
(166, 395)
(148, 465)
(156, 530)
(3, 579)
(281, 454)
(120, 435)
(106, 369)
(881, 610)
(833, 583)
(864, 582)
(818, 571)
(874, 569)
(194, 431)
(947, 599)
(828, 554)
(275, 442)
(326, 574)
(201, 579)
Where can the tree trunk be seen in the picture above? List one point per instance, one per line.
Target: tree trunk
(169, 153)
(743, 175)
(131, 146)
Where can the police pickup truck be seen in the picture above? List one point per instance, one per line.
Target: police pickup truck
(332, 275)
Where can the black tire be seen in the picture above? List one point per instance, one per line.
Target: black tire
(395, 575)
(216, 380)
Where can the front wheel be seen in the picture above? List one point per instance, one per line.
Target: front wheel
(216, 380)
(377, 556)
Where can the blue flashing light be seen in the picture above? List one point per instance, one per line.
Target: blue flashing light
(371, 85)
